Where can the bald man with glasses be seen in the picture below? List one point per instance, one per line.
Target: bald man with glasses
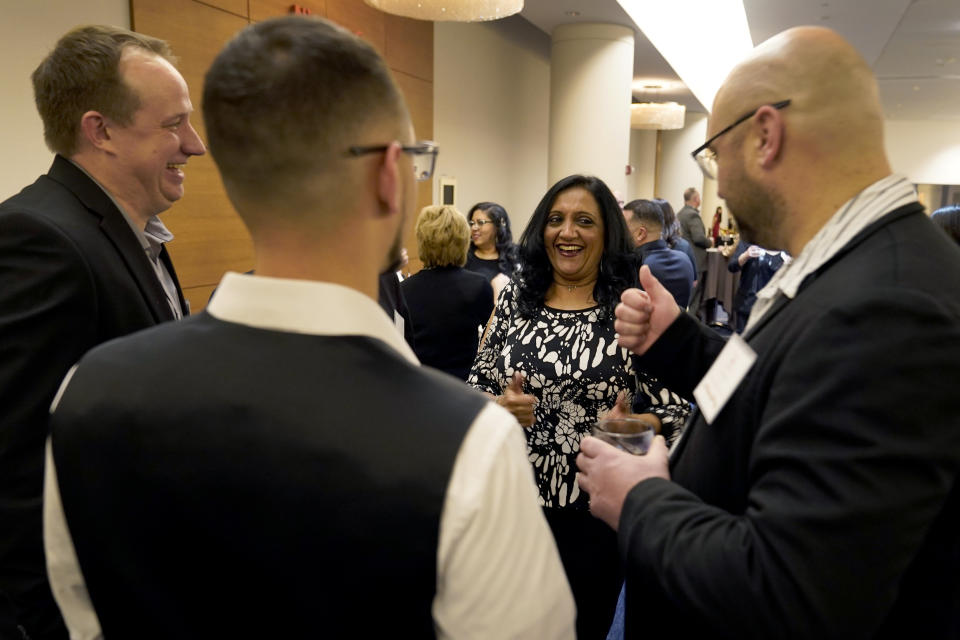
(815, 493)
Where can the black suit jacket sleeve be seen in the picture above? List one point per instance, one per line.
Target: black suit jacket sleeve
(844, 470)
(47, 312)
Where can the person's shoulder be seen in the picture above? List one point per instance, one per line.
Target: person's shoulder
(49, 206)
(26, 197)
(31, 224)
(44, 198)
(153, 342)
(897, 271)
(678, 258)
(472, 278)
(509, 294)
(414, 281)
(419, 389)
(903, 251)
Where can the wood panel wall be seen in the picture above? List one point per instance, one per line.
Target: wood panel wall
(210, 238)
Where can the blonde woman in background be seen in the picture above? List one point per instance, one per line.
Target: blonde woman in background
(447, 303)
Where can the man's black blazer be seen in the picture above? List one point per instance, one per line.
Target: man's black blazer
(72, 275)
(824, 499)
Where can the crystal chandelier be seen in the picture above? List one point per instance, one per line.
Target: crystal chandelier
(449, 10)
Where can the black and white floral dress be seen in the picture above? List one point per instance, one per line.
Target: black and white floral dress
(576, 369)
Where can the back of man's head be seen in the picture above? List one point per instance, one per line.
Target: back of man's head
(82, 74)
(283, 103)
(647, 214)
(690, 196)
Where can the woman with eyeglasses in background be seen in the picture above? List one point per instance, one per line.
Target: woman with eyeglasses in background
(492, 252)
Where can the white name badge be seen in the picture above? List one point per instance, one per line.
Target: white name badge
(723, 377)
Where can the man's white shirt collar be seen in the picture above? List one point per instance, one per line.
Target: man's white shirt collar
(304, 306)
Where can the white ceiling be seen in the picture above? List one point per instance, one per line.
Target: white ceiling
(912, 45)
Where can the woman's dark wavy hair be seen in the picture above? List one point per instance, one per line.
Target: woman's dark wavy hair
(617, 264)
(948, 219)
(671, 230)
(506, 249)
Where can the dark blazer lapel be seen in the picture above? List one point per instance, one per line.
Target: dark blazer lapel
(118, 231)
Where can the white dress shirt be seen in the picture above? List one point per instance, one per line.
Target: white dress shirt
(498, 570)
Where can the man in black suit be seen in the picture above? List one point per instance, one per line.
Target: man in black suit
(82, 260)
(672, 268)
(300, 475)
(816, 493)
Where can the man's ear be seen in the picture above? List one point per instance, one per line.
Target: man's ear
(640, 236)
(389, 183)
(768, 126)
(93, 128)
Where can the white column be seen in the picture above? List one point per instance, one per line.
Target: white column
(591, 69)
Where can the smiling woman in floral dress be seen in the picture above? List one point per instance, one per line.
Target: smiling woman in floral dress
(552, 359)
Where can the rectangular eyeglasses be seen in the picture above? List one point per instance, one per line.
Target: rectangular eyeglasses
(706, 158)
(424, 154)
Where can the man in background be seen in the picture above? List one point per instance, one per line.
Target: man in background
(693, 230)
(670, 267)
(816, 493)
(302, 476)
(82, 261)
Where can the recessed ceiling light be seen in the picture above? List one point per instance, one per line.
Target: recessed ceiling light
(572, 14)
(916, 87)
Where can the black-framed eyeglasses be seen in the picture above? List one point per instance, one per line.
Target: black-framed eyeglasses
(424, 154)
(706, 158)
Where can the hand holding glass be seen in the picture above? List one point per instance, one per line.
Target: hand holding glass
(633, 435)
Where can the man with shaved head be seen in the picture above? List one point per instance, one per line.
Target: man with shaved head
(815, 492)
